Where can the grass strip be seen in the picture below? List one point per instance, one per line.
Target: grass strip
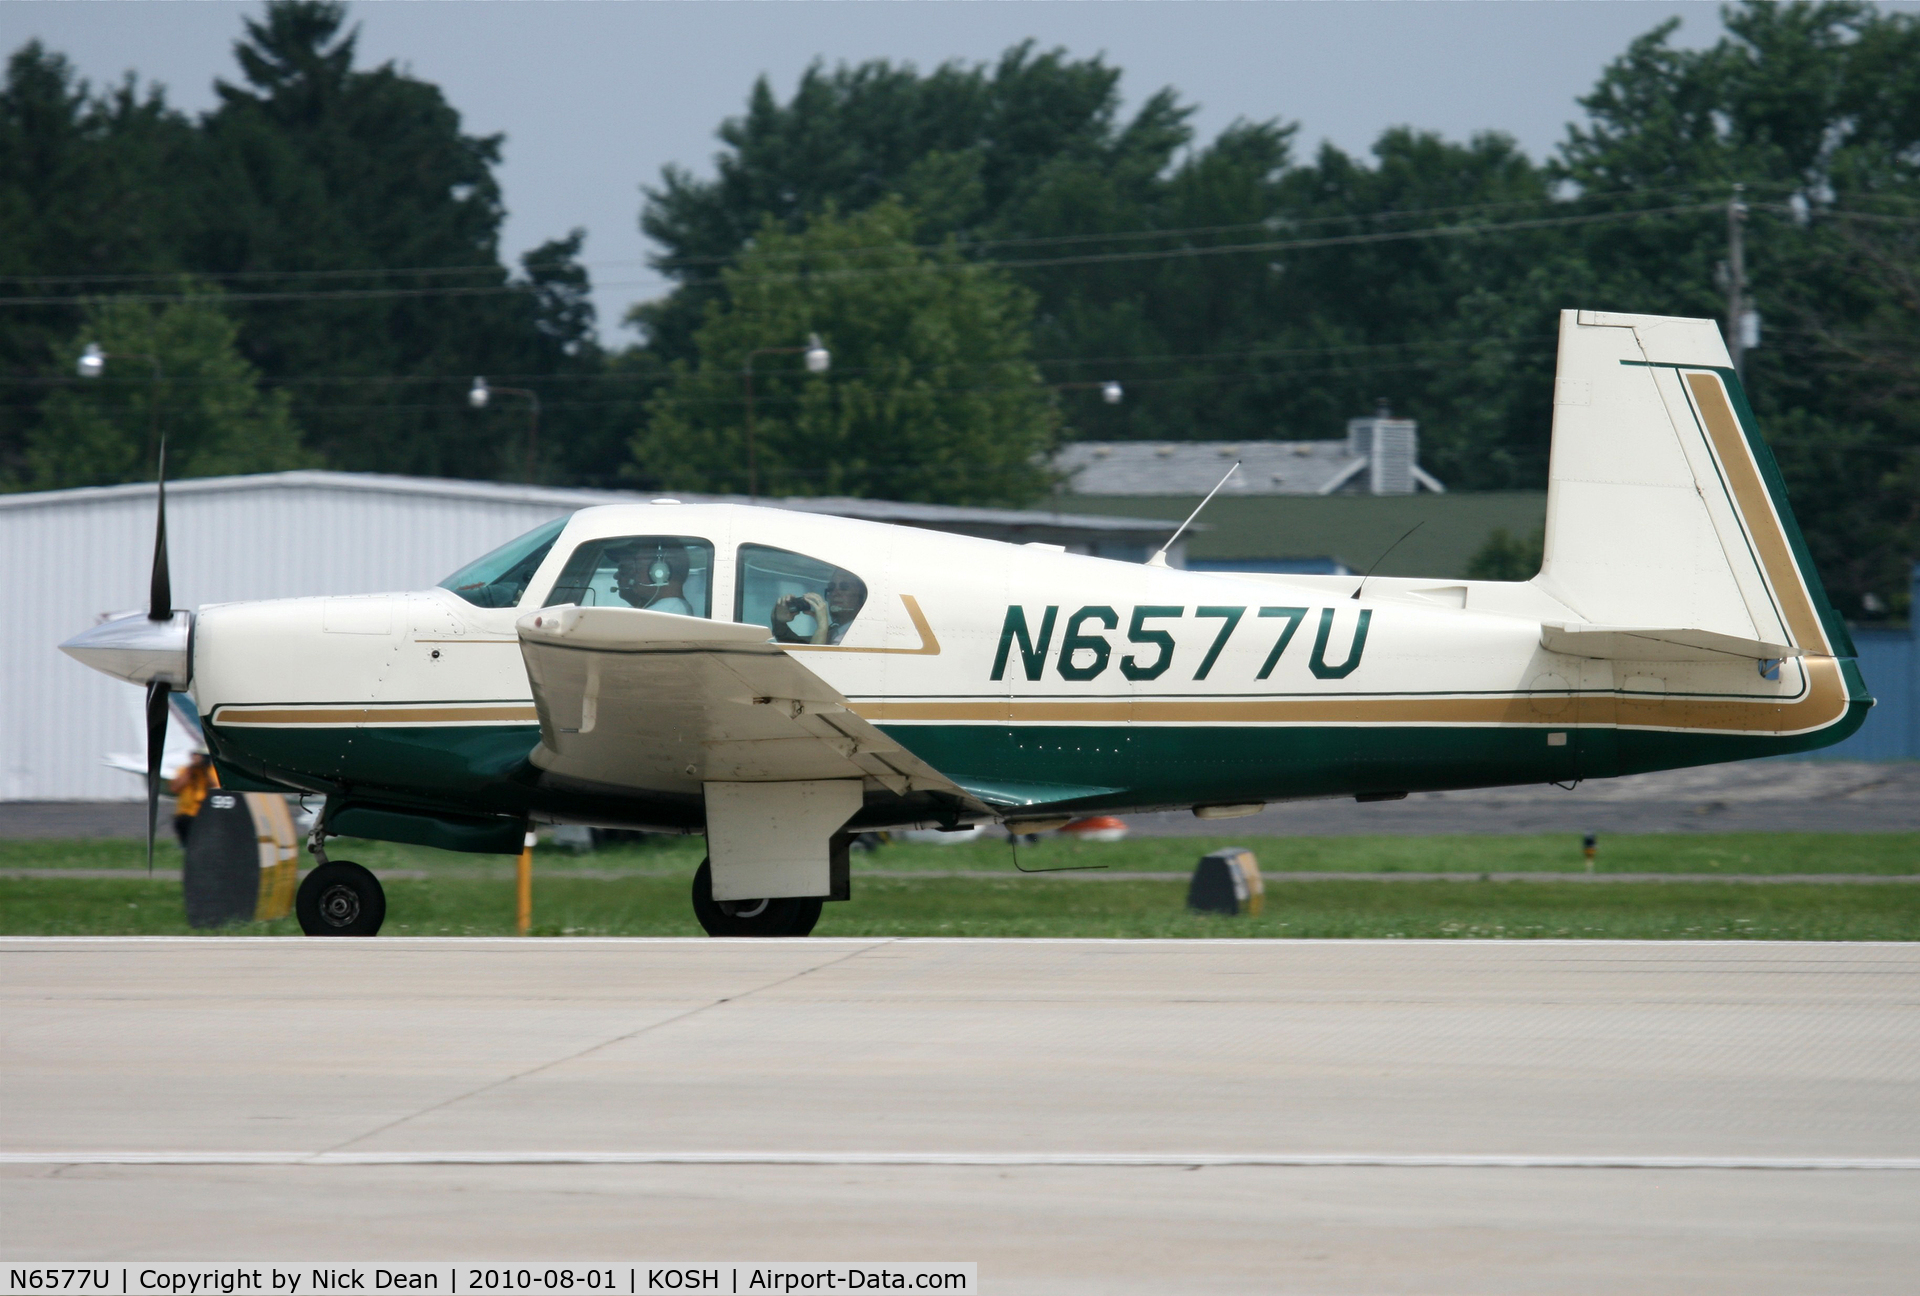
(1043, 907)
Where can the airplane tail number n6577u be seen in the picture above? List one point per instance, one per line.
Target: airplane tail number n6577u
(782, 680)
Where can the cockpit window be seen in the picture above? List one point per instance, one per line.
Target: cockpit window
(799, 599)
(499, 579)
(659, 573)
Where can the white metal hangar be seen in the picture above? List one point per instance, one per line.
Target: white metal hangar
(72, 556)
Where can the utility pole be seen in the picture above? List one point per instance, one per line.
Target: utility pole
(1743, 324)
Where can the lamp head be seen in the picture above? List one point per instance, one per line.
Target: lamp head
(478, 395)
(93, 361)
(819, 359)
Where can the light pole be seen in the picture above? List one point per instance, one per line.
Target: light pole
(93, 363)
(819, 360)
(480, 393)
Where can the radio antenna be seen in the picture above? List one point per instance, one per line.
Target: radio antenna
(1383, 557)
(1160, 559)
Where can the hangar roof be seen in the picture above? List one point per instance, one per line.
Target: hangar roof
(990, 523)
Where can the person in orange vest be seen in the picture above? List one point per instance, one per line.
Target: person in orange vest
(190, 787)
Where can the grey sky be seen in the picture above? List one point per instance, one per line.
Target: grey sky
(595, 98)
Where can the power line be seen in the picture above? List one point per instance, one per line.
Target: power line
(1269, 223)
(1088, 259)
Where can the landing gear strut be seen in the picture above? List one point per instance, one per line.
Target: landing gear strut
(786, 916)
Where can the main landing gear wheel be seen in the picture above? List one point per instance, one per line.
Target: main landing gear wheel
(339, 898)
(787, 916)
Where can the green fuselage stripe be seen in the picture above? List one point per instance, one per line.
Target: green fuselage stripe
(471, 769)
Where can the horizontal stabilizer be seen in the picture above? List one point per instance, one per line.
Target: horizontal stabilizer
(1651, 643)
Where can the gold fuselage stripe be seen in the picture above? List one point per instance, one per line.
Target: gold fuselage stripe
(377, 715)
(1627, 710)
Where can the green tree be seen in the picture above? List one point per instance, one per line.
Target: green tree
(1506, 557)
(1153, 262)
(1293, 341)
(322, 166)
(1815, 109)
(202, 397)
(355, 227)
(960, 145)
(90, 184)
(931, 395)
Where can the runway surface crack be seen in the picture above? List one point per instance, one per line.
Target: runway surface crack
(591, 1049)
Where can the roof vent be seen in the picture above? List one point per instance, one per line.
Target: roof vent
(1390, 447)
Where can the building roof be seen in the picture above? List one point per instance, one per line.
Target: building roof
(1353, 530)
(996, 523)
(1195, 467)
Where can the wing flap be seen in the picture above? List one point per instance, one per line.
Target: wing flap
(652, 701)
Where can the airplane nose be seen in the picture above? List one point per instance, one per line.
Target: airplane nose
(136, 649)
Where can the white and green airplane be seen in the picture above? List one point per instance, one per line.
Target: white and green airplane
(782, 680)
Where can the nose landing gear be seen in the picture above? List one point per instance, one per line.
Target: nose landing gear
(340, 898)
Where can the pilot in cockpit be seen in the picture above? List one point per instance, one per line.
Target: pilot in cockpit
(652, 575)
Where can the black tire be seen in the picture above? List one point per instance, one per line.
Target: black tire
(788, 916)
(340, 899)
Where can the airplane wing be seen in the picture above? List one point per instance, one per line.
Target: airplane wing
(1650, 643)
(659, 702)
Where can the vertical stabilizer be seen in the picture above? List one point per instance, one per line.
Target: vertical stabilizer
(1664, 507)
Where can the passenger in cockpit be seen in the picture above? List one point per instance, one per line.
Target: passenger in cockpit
(831, 615)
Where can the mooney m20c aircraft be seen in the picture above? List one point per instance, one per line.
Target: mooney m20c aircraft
(781, 680)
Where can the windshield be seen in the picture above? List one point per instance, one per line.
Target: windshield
(500, 578)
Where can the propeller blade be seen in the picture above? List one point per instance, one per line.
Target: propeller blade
(160, 599)
(156, 748)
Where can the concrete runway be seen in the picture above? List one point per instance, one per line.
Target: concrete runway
(968, 1100)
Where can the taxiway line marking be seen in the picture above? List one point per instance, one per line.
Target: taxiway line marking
(1490, 1161)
